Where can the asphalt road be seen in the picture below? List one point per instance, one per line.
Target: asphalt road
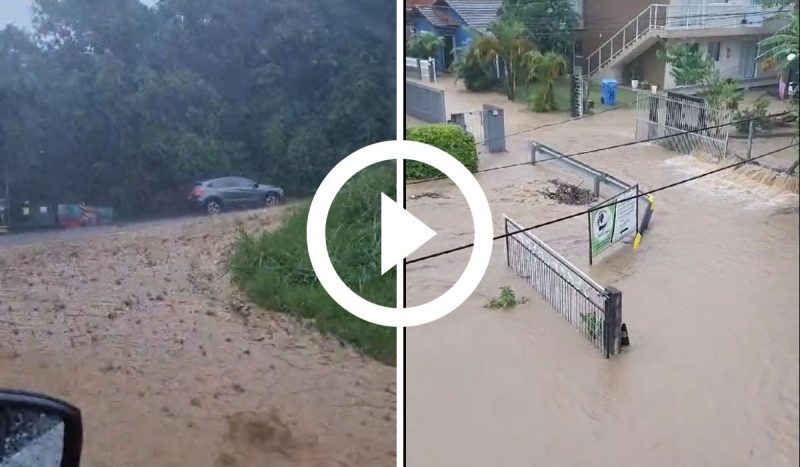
(45, 236)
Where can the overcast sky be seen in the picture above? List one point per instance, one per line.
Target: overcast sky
(18, 12)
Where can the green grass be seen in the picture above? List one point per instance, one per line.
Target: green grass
(561, 94)
(275, 271)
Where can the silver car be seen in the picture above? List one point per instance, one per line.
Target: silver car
(227, 193)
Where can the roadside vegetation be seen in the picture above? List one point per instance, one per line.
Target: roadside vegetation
(274, 269)
(506, 300)
(452, 139)
(119, 104)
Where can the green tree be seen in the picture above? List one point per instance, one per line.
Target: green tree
(550, 24)
(690, 66)
(506, 41)
(127, 105)
(424, 44)
(546, 69)
(471, 66)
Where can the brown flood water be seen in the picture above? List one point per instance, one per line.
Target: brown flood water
(171, 367)
(710, 299)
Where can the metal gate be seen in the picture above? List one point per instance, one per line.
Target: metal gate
(659, 115)
(595, 311)
(487, 126)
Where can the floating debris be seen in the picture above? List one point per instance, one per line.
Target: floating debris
(567, 193)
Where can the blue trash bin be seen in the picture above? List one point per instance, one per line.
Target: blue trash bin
(608, 92)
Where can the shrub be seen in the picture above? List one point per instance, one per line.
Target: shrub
(472, 69)
(539, 102)
(452, 139)
(759, 112)
(275, 271)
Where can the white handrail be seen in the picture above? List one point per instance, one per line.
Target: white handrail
(652, 22)
(661, 16)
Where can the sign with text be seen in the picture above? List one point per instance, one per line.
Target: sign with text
(615, 219)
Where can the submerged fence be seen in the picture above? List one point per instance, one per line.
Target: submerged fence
(660, 115)
(595, 311)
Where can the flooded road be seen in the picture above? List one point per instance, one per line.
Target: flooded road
(143, 331)
(710, 299)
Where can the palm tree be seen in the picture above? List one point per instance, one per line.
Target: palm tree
(545, 68)
(424, 44)
(506, 41)
(782, 47)
(470, 65)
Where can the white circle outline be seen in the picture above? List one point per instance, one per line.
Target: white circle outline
(318, 247)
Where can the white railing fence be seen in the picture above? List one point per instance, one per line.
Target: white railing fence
(421, 68)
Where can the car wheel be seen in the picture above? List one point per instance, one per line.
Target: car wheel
(213, 207)
(271, 199)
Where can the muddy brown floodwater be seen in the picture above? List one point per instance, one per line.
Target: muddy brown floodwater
(172, 367)
(710, 299)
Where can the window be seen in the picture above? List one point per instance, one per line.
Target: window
(713, 50)
(577, 6)
(243, 182)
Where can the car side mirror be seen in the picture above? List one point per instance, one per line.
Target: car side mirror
(255, 185)
(39, 430)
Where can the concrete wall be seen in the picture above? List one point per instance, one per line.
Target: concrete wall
(652, 67)
(603, 18)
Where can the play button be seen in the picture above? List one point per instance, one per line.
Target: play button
(401, 233)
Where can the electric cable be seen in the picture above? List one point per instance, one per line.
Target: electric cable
(596, 208)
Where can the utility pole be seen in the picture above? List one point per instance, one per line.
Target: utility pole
(750, 139)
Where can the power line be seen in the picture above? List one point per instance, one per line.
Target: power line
(592, 151)
(596, 208)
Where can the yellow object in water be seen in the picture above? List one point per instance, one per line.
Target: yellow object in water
(645, 222)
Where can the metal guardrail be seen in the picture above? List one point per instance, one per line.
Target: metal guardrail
(540, 153)
(595, 311)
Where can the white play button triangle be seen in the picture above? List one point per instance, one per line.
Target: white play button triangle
(401, 233)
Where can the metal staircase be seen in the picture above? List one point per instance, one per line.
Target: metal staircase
(737, 17)
(639, 33)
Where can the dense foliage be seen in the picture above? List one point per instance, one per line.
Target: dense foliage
(424, 45)
(472, 68)
(452, 139)
(275, 271)
(507, 44)
(116, 103)
(550, 24)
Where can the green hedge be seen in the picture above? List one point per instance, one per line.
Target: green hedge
(450, 138)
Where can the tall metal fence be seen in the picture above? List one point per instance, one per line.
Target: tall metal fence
(595, 311)
(660, 115)
(425, 103)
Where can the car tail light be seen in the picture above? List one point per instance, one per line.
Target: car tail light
(197, 192)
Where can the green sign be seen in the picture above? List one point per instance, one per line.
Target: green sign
(614, 220)
(601, 228)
